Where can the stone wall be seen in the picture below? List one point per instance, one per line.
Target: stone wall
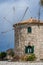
(22, 39)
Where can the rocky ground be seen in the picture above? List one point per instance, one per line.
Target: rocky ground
(19, 63)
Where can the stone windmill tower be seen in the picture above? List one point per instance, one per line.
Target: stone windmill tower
(29, 38)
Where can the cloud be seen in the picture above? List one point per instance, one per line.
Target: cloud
(14, 16)
(6, 10)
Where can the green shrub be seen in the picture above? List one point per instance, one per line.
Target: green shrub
(10, 52)
(3, 55)
(31, 57)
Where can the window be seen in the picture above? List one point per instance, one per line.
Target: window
(29, 49)
(29, 29)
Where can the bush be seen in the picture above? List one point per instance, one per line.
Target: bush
(30, 57)
(23, 58)
(16, 58)
(3, 55)
(10, 52)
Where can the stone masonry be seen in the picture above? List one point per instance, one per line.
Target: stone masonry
(22, 39)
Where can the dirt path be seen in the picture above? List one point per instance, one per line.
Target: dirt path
(19, 63)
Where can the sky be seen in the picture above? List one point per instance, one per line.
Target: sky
(13, 11)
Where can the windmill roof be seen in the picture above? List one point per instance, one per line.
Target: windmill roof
(29, 21)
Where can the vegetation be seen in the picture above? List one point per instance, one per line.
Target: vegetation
(41, 1)
(16, 58)
(10, 52)
(30, 57)
(3, 55)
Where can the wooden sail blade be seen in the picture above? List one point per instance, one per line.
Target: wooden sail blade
(7, 31)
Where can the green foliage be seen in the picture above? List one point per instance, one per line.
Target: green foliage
(11, 53)
(3, 55)
(31, 57)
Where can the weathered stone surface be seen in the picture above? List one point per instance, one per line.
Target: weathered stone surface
(22, 39)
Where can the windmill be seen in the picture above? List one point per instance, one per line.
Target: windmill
(6, 20)
(11, 23)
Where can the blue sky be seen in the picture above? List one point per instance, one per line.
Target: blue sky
(13, 10)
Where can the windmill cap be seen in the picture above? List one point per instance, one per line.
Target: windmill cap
(29, 21)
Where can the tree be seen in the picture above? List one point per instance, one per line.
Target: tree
(41, 2)
(10, 52)
(3, 55)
